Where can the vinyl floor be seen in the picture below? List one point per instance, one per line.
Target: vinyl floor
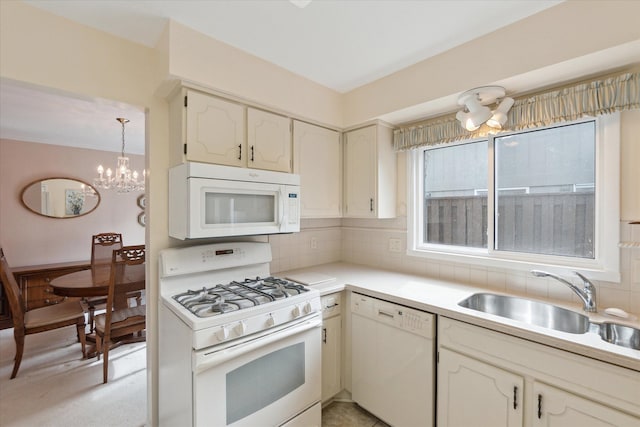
(345, 414)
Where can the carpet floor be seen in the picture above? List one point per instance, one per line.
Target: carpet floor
(56, 387)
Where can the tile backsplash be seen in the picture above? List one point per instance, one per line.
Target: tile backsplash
(382, 243)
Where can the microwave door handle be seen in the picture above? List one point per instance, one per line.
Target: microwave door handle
(207, 361)
(282, 194)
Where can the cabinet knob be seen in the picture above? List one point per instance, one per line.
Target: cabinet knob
(239, 151)
(371, 204)
(252, 153)
(46, 279)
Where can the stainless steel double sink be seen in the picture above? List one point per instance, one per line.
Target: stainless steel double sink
(551, 317)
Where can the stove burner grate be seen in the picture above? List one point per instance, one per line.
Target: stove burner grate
(220, 299)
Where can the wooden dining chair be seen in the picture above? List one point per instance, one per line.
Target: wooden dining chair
(102, 247)
(42, 319)
(120, 323)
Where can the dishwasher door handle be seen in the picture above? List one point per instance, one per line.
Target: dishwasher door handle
(384, 313)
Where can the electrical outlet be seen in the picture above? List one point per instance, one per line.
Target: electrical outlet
(395, 245)
(314, 243)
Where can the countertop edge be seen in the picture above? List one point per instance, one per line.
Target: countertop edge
(441, 297)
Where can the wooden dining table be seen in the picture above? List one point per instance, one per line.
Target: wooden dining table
(94, 281)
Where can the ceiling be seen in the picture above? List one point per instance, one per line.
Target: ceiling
(341, 44)
(338, 44)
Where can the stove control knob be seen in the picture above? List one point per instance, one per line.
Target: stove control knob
(241, 329)
(296, 311)
(270, 321)
(223, 333)
(307, 308)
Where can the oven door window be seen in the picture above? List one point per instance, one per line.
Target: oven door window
(222, 208)
(263, 381)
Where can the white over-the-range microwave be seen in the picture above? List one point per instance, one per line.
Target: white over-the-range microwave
(207, 200)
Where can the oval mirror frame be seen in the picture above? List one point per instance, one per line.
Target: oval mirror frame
(60, 198)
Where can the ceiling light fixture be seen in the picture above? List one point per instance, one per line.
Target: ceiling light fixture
(124, 180)
(476, 111)
(300, 3)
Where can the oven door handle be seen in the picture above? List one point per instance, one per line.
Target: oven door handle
(204, 361)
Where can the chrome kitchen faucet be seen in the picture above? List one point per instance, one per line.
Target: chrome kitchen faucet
(587, 294)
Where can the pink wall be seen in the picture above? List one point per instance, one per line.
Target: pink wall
(31, 239)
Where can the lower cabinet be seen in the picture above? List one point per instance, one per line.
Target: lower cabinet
(471, 393)
(557, 408)
(331, 346)
(486, 378)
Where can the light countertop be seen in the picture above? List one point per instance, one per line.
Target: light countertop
(442, 297)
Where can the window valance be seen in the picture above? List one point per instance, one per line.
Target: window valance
(591, 98)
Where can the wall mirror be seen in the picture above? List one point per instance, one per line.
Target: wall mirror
(60, 197)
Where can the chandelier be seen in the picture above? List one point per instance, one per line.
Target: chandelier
(123, 180)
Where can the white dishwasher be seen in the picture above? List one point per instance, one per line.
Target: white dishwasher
(393, 361)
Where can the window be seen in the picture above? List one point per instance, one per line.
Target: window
(546, 196)
(536, 174)
(455, 195)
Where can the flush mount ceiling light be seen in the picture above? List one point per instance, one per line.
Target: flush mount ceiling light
(300, 3)
(477, 112)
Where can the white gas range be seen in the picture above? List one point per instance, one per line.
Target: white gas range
(237, 347)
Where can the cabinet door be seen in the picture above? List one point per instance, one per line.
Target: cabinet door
(268, 141)
(473, 393)
(317, 159)
(215, 130)
(331, 349)
(558, 408)
(360, 173)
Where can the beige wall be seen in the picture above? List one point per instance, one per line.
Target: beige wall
(570, 30)
(31, 239)
(196, 57)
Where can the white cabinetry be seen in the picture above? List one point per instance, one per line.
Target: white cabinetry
(370, 173)
(331, 346)
(489, 378)
(471, 393)
(557, 408)
(208, 129)
(318, 160)
(268, 141)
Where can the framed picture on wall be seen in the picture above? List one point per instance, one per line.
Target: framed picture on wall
(74, 201)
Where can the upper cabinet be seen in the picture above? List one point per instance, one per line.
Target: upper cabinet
(369, 173)
(318, 161)
(215, 130)
(268, 141)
